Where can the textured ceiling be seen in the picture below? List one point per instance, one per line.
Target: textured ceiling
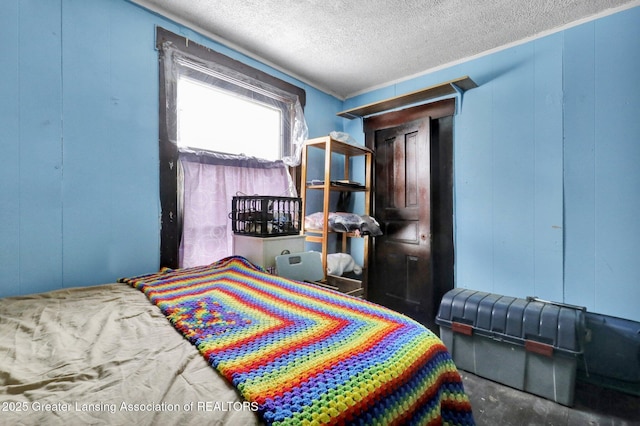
(345, 47)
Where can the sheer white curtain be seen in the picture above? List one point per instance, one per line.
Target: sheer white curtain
(208, 187)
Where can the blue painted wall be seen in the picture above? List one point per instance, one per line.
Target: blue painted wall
(79, 119)
(547, 183)
(546, 148)
(602, 154)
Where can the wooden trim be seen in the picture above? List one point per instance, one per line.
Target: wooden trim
(451, 87)
(170, 226)
(434, 110)
(195, 49)
(442, 244)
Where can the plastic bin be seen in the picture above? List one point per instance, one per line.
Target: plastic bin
(612, 353)
(528, 344)
(265, 216)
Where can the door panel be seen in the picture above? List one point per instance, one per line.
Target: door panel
(401, 276)
(402, 232)
(411, 266)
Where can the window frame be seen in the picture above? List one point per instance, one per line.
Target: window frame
(170, 225)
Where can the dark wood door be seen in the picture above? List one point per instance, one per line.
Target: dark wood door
(412, 263)
(402, 256)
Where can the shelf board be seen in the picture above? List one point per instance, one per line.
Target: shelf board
(451, 87)
(314, 238)
(310, 231)
(338, 146)
(339, 188)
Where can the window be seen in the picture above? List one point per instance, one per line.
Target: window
(209, 118)
(211, 102)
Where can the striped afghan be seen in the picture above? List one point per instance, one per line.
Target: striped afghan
(307, 355)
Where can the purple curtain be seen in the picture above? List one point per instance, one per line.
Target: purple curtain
(209, 183)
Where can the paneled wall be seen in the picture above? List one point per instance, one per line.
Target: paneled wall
(79, 120)
(602, 158)
(31, 194)
(546, 149)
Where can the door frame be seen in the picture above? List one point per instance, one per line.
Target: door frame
(442, 175)
(434, 110)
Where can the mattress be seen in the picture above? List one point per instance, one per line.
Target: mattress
(105, 355)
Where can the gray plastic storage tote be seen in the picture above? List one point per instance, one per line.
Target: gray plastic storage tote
(528, 344)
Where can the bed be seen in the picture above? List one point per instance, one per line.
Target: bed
(225, 343)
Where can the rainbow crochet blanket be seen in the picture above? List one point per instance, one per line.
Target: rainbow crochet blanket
(307, 355)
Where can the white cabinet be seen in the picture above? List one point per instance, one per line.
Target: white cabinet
(263, 251)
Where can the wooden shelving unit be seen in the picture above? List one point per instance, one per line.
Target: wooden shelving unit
(329, 184)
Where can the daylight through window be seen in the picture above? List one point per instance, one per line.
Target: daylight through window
(214, 119)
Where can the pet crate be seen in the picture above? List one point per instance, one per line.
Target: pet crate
(265, 216)
(528, 344)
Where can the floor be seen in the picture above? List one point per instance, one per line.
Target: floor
(497, 405)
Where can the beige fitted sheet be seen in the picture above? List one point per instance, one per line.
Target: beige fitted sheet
(105, 355)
